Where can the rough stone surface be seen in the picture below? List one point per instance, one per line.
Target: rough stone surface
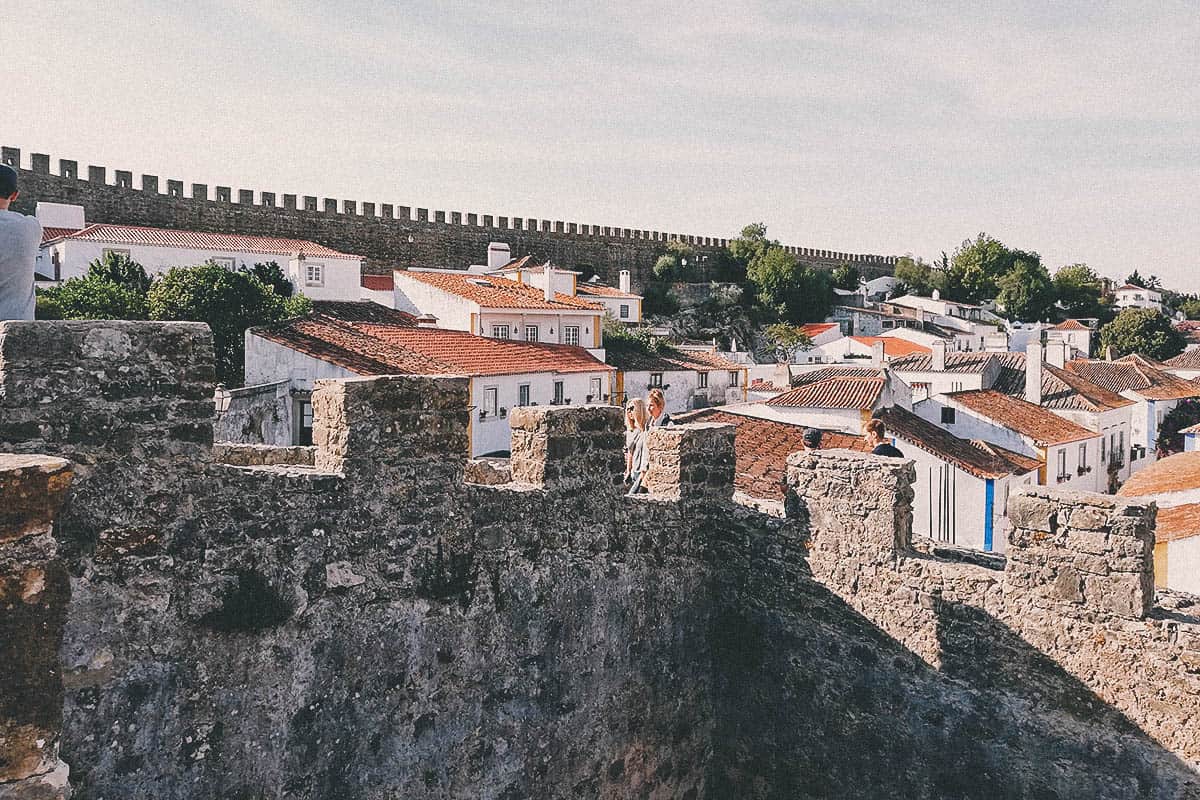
(375, 626)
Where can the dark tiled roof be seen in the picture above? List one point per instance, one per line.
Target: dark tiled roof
(1135, 373)
(835, 392)
(825, 373)
(1042, 426)
(362, 311)
(762, 446)
(977, 458)
(955, 362)
(1188, 359)
(668, 359)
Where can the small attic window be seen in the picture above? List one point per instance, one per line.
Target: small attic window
(479, 281)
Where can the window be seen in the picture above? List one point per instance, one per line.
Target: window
(956, 386)
(499, 331)
(115, 251)
(888, 324)
(1103, 457)
(624, 311)
(594, 390)
(531, 333)
(491, 402)
(559, 395)
(1062, 465)
(523, 394)
(571, 334)
(734, 377)
(304, 421)
(656, 379)
(947, 416)
(702, 380)
(1083, 456)
(224, 263)
(314, 274)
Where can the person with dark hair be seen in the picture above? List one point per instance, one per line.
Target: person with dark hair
(20, 238)
(811, 438)
(876, 436)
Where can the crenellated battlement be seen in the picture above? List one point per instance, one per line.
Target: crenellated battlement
(377, 230)
(361, 619)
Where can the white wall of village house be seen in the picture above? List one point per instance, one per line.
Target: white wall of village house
(1113, 427)
(551, 325)
(845, 420)
(453, 312)
(1146, 417)
(491, 432)
(612, 307)
(341, 278)
(680, 387)
(1183, 564)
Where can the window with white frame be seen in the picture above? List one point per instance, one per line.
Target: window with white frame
(956, 386)
(571, 334)
(701, 380)
(499, 331)
(314, 274)
(1062, 464)
(595, 389)
(224, 263)
(491, 402)
(303, 421)
(734, 378)
(1083, 456)
(559, 393)
(656, 379)
(523, 394)
(624, 311)
(531, 333)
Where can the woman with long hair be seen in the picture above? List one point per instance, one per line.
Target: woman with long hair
(639, 460)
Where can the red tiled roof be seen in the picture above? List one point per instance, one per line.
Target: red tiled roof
(1070, 325)
(199, 240)
(760, 385)
(1035, 422)
(761, 448)
(1067, 391)
(362, 311)
(1135, 373)
(893, 346)
(980, 459)
(1177, 522)
(1177, 473)
(955, 362)
(379, 283)
(1188, 359)
(494, 291)
(371, 348)
(669, 359)
(837, 392)
(814, 329)
(835, 371)
(50, 234)
(600, 290)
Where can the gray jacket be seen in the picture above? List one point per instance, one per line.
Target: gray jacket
(20, 237)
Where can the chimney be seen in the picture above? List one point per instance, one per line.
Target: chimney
(427, 321)
(623, 281)
(1056, 352)
(1033, 373)
(937, 295)
(938, 356)
(877, 355)
(499, 254)
(549, 273)
(1108, 353)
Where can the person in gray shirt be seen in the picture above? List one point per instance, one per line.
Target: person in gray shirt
(20, 238)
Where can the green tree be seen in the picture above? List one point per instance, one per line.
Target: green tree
(1144, 331)
(121, 270)
(1190, 307)
(919, 277)
(751, 245)
(1135, 279)
(272, 275)
(229, 301)
(91, 296)
(796, 293)
(1079, 290)
(978, 265)
(678, 263)
(1184, 415)
(1026, 292)
(786, 340)
(847, 277)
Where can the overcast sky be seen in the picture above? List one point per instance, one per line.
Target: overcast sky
(1066, 128)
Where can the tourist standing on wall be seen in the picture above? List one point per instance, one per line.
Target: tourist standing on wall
(20, 238)
(631, 435)
(640, 456)
(656, 404)
(876, 436)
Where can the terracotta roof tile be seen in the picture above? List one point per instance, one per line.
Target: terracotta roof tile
(835, 371)
(1070, 325)
(815, 329)
(494, 291)
(372, 348)
(836, 392)
(379, 283)
(199, 240)
(669, 359)
(1177, 473)
(1042, 426)
(1188, 359)
(955, 362)
(50, 234)
(1135, 373)
(977, 458)
(893, 346)
(362, 311)
(1177, 522)
(599, 290)
(761, 448)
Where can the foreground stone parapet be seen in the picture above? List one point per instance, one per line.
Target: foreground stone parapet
(34, 593)
(568, 447)
(1082, 552)
(692, 462)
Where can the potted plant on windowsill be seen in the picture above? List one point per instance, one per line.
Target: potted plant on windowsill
(483, 413)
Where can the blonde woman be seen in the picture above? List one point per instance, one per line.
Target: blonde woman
(639, 460)
(630, 440)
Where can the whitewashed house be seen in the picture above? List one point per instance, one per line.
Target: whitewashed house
(1130, 296)
(1186, 365)
(855, 321)
(1076, 335)
(689, 379)
(939, 372)
(1173, 484)
(834, 398)
(353, 339)
(620, 302)
(1191, 438)
(962, 487)
(314, 270)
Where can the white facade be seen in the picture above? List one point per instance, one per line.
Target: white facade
(1137, 297)
(1183, 564)
(1078, 340)
(319, 279)
(681, 388)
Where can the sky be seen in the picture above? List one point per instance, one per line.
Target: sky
(1068, 128)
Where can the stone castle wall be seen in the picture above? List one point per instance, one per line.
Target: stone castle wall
(387, 235)
(364, 623)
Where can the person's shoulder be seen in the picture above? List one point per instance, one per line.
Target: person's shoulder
(24, 222)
